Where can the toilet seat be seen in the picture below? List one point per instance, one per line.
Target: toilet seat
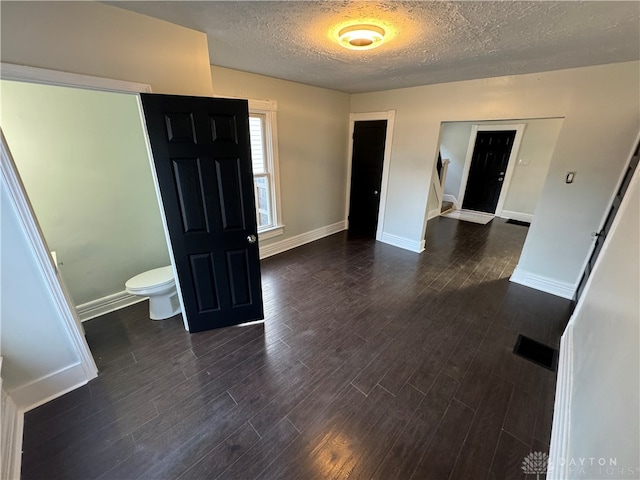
(151, 280)
(159, 286)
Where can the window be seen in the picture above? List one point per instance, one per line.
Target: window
(264, 159)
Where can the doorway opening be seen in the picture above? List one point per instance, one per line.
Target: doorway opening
(370, 141)
(98, 202)
(38, 391)
(89, 181)
(487, 170)
(524, 178)
(367, 160)
(489, 166)
(525, 174)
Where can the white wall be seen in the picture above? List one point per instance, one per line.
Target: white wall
(106, 41)
(83, 159)
(34, 342)
(538, 142)
(313, 127)
(603, 401)
(433, 206)
(600, 108)
(454, 141)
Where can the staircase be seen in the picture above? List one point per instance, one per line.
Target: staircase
(439, 178)
(446, 206)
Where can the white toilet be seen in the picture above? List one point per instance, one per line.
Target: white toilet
(160, 286)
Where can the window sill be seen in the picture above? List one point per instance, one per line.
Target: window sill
(271, 232)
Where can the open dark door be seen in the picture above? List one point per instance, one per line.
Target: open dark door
(611, 215)
(488, 167)
(367, 161)
(202, 158)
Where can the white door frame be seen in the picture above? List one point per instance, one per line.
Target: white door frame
(389, 116)
(10, 176)
(519, 128)
(21, 73)
(71, 322)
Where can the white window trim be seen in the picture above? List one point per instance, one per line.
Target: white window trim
(269, 108)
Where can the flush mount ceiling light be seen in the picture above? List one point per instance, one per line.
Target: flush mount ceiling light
(361, 37)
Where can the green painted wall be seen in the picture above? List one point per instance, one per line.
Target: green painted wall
(82, 157)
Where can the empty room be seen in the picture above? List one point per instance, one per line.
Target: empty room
(320, 240)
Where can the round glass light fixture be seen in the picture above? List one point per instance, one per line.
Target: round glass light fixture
(361, 37)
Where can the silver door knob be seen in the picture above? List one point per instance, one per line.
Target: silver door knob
(251, 239)
(375, 192)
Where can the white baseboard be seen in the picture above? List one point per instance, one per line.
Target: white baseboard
(11, 426)
(107, 304)
(523, 217)
(559, 449)
(119, 300)
(544, 284)
(452, 199)
(42, 390)
(402, 242)
(302, 239)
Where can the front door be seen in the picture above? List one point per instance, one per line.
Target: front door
(202, 159)
(367, 160)
(488, 167)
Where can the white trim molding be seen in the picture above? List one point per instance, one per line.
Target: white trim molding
(519, 129)
(560, 430)
(544, 284)
(451, 198)
(299, 240)
(433, 213)
(11, 426)
(402, 242)
(269, 109)
(60, 296)
(51, 386)
(22, 73)
(108, 304)
(389, 116)
(523, 217)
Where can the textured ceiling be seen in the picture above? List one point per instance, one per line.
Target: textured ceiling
(428, 42)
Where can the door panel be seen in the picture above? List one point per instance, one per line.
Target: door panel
(611, 215)
(189, 188)
(487, 171)
(238, 266)
(203, 165)
(228, 176)
(369, 138)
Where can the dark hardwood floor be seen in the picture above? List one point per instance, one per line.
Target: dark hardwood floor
(373, 362)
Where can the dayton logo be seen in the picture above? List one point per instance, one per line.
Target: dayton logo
(535, 463)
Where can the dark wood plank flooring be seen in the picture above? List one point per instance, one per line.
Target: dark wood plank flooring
(373, 362)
